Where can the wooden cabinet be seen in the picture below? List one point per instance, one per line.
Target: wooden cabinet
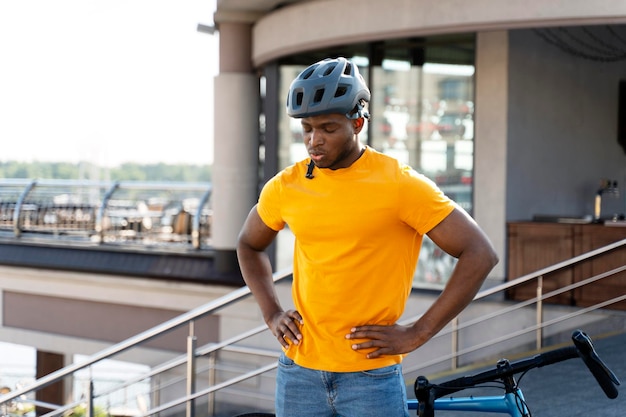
(533, 246)
(594, 237)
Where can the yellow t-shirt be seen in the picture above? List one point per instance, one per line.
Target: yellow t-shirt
(358, 232)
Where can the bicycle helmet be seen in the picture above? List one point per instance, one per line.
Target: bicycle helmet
(328, 86)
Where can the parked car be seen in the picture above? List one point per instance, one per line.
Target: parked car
(452, 124)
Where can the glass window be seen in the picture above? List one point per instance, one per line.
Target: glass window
(291, 145)
(422, 112)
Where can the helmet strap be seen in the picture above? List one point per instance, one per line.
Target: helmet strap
(358, 112)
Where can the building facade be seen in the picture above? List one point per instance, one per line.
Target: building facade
(512, 108)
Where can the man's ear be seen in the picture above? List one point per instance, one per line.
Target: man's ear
(357, 124)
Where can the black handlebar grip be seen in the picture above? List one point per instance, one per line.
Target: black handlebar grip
(605, 377)
(558, 355)
(425, 397)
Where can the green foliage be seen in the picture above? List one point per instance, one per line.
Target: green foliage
(125, 172)
(81, 411)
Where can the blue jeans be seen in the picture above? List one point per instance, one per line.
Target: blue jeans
(302, 392)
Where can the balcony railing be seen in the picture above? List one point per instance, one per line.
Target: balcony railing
(144, 213)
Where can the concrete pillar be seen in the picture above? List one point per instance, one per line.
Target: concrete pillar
(491, 133)
(236, 144)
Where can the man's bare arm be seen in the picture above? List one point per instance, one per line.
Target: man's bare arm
(256, 269)
(459, 236)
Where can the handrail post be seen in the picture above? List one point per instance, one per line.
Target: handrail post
(195, 232)
(455, 342)
(539, 318)
(191, 370)
(212, 382)
(17, 227)
(156, 392)
(100, 215)
(90, 410)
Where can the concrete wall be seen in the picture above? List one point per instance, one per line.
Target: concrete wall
(562, 130)
(77, 313)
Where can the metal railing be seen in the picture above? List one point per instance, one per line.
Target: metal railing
(220, 376)
(164, 213)
(141, 338)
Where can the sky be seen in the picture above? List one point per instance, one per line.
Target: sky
(107, 81)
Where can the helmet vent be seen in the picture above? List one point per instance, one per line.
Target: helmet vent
(329, 70)
(299, 97)
(348, 69)
(305, 75)
(319, 94)
(341, 91)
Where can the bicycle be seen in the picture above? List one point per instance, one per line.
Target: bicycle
(429, 397)
(432, 397)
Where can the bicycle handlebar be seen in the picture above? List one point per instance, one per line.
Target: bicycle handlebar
(604, 376)
(426, 393)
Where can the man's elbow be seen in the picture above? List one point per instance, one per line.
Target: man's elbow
(490, 256)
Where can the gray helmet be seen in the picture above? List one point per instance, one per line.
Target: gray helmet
(328, 86)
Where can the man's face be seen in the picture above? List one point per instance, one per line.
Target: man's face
(331, 140)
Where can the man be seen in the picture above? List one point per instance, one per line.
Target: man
(358, 218)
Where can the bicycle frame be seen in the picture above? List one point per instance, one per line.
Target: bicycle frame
(511, 403)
